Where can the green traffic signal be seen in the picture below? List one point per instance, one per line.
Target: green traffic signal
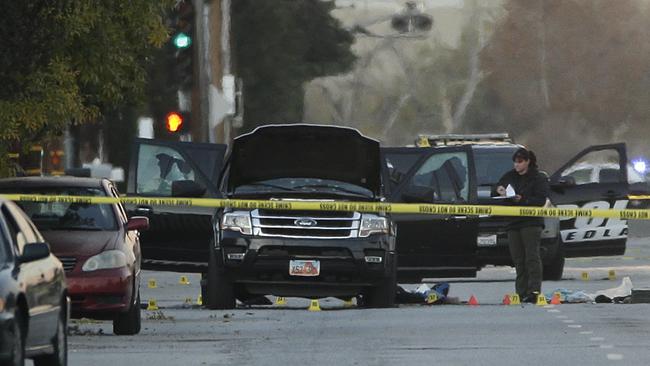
(182, 40)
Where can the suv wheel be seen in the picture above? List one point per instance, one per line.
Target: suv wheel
(554, 268)
(60, 342)
(383, 295)
(220, 289)
(129, 323)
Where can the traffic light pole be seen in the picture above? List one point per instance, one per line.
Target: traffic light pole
(201, 132)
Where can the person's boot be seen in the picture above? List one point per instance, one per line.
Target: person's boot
(531, 298)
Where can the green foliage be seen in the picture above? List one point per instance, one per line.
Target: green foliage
(69, 61)
(279, 45)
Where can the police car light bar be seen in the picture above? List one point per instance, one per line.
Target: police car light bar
(459, 139)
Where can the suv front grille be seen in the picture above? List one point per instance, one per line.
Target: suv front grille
(68, 263)
(315, 224)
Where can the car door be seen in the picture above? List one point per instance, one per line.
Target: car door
(596, 178)
(398, 162)
(437, 245)
(43, 308)
(178, 237)
(131, 237)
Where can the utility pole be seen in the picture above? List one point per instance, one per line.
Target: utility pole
(215, 87)
(200, 99)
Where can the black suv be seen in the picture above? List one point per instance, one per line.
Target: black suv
(295, 253)
(598, 177)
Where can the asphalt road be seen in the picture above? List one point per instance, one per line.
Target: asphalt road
(488, 334)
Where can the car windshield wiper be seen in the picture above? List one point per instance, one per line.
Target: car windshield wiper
(268, 185)
(337, 188)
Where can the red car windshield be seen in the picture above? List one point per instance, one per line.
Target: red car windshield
(69, 216)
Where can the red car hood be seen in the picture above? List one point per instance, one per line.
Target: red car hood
(79, 243)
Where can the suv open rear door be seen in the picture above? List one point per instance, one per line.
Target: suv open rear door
(435, 245)
(178, 237)
(596, 178)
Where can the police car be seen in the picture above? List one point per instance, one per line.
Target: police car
(489, 157)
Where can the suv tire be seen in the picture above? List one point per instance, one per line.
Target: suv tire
(383, 295)
(220, 289)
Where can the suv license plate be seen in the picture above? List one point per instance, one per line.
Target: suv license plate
(486, 240)
(307, 268)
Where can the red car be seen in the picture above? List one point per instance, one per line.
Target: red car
(98, 245)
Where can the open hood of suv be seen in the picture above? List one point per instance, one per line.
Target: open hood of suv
(305, 151)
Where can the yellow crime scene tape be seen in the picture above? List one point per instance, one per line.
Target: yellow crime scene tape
(398, 208)
(639, 197)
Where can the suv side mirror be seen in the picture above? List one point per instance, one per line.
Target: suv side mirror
(566, 181)
(417, 194)
(137, 223)
(187, 188)
(33, 252)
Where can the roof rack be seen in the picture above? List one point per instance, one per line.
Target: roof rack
(462, 139)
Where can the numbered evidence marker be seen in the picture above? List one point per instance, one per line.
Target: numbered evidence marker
(515, 300)
(314, 305)
(183, 280)
(152, 283)
(432, 298)
(611, 275)
(585, 276)
(152, 305)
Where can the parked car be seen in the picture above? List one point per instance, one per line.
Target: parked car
(33, 297)
(97, 243)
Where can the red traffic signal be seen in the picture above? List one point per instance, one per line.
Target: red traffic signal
(173, 122)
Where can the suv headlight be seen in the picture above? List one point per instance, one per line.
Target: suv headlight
(106, 260)
(237, 221)
(373, 224)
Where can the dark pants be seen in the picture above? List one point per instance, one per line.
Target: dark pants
(524, 250)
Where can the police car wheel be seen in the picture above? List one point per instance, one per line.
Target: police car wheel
(553, 270)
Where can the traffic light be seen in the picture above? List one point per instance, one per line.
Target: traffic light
(175, 121)
(183, 28)
(56, 162)
(182, 40)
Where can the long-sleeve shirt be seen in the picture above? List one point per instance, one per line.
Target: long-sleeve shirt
(533, 188)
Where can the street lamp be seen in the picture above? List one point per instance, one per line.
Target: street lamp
(411, 20)
(409, 23)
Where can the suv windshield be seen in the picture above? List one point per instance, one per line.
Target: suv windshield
(492, 164)
(68, 216)
(304, 185)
